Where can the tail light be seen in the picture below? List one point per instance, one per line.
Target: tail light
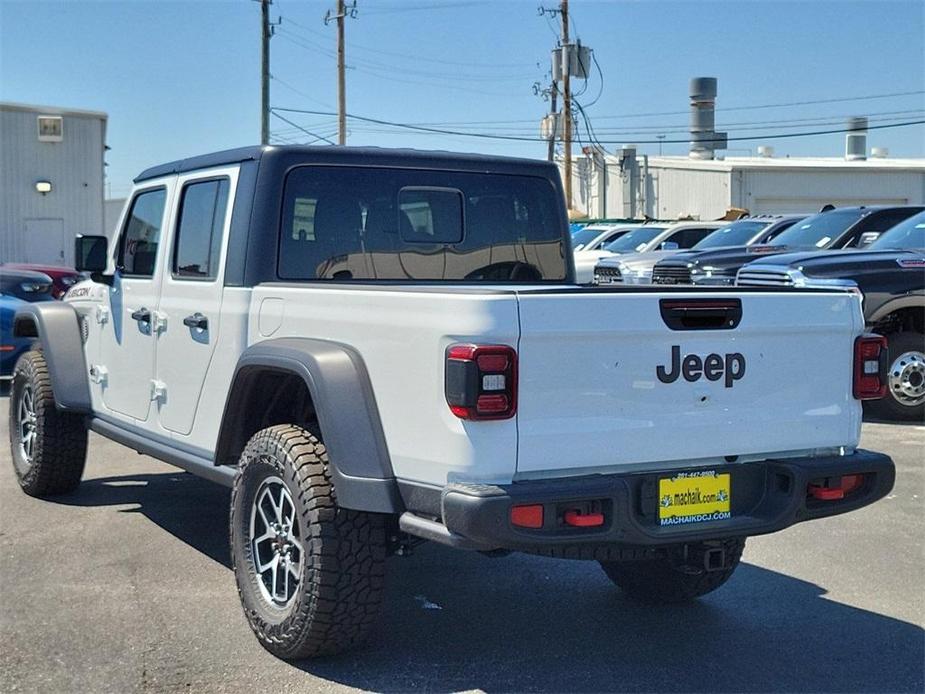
(481, 381)
(869, 353)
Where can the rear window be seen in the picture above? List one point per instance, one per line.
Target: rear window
(365, 223)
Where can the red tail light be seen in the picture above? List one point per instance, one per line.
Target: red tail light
(869, 352)
(481, 381)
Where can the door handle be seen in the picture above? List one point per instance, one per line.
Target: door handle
(142, 315)
(197, 320)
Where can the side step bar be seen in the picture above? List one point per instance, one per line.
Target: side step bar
(194, 464)
(437, 532)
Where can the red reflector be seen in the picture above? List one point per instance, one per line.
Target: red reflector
(491, 404)
(492, 362)
(868, 382)
(527, 516)
(586, 520)
(7, 348)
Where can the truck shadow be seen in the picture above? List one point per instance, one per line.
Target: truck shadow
(457, 621)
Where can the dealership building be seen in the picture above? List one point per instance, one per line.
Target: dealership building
(51, 181)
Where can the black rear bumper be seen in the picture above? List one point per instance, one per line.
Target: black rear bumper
(765, 497)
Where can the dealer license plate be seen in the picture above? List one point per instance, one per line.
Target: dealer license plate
(693, 497)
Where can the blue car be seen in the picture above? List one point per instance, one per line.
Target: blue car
(16, 288)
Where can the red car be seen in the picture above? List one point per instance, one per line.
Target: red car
(62, 277)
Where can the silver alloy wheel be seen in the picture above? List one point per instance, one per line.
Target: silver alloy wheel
(907, 378)
(276, 547)
(27, 423)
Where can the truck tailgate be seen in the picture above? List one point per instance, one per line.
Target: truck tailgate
(592, 397)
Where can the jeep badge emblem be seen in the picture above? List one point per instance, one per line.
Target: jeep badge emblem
(713, 367)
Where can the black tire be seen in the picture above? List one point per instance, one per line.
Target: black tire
(339, 593)
(58, 444)
(893, 406)
(676, 577)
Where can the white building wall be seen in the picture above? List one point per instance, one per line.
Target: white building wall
(807, 191)
(41, 228)
(700, 194)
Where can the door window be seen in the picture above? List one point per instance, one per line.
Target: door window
(199, 229)
(688, 238)
(142, 233)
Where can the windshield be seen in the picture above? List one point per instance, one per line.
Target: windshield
(819, 230)
(583, 237)
(735, 234)
(907, 234)
(634, 240)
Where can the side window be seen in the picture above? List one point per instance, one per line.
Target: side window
(199, 229)
(430, 215)
(142, 233)
(688, 238)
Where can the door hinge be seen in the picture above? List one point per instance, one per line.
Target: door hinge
(99, 374)
(158, 321)
(102, 314)
(158, 390)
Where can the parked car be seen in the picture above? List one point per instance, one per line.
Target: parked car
(890, 276)
(595, 236)
(63, 278)
(26, 284)
(845, 227)
(10, 347)
(631, 257)
(586, 257)
(352, 358)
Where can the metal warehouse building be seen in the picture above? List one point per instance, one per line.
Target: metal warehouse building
(628, 185)
(51, 181)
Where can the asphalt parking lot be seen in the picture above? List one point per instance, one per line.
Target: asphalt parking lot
(125, 586)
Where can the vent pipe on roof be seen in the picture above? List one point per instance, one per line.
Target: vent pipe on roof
(704, 138)
(765, 151)
(856, 139)
(879, 152)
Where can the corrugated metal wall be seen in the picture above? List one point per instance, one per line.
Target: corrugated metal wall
(74, 167)
(682, 192)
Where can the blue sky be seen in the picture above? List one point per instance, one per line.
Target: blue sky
(181, 78)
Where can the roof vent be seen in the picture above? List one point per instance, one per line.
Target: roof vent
(765, 151)
(856, 139)
(704, 138)
(879, 152)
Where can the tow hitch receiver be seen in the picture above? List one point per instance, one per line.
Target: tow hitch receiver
(714, 559)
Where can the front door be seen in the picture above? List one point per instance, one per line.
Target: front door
(191, 295)
(130, 323)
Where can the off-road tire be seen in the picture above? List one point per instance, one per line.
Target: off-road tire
(59, 448)
(339, 595)
(674, 578)
(888, 407)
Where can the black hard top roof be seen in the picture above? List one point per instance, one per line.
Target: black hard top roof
(329, 154)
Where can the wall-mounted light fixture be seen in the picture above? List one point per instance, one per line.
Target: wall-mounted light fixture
(43, 187)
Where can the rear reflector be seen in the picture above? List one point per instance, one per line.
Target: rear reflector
(481, 381)
(869, 353)
(527, 516)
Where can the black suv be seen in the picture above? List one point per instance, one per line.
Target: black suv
(845, 227)
(890, 275)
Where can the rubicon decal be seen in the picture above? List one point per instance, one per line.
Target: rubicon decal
(714, 367)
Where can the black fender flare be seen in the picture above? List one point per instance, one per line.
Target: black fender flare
(345, 405)
(56, 325)
(909, 301)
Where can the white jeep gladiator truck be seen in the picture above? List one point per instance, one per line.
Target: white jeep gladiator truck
(375, 348)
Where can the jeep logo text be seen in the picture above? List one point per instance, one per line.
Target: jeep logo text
(713, 367)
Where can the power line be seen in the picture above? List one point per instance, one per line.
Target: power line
(296, 125)
(515, 138)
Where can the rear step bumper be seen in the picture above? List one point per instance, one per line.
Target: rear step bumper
(623, 508)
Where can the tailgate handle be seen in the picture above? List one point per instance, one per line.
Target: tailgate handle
(701, 314)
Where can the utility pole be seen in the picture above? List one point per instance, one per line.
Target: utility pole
(341, 12)
(567, 102)
(265, 72)
(553, 93)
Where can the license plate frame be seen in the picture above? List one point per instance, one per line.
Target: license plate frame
(694, 497)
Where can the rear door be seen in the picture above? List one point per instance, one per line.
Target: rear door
(44, 243)
(191, 293)
(604, 382)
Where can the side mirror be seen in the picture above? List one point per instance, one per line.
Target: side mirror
(867, 238)
(669, 246)
(90, 256)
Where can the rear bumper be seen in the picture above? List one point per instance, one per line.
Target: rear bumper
(765, 497)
